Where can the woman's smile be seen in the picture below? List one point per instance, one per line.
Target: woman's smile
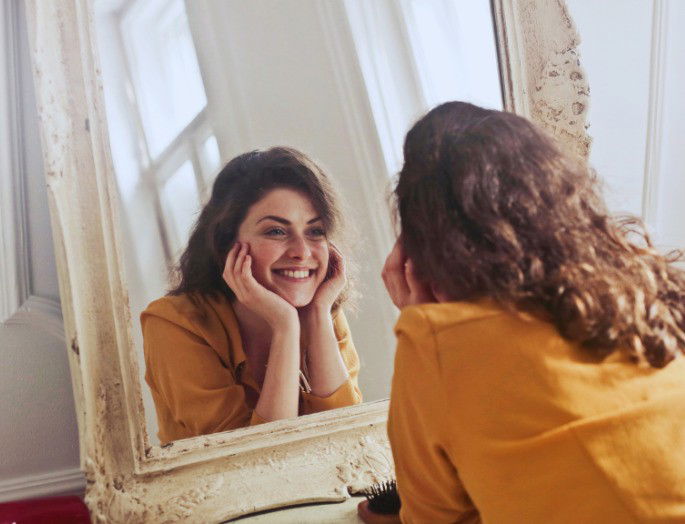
(295, 274)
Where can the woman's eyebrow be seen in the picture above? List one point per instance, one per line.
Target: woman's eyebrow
(284, 221)
(280, 220)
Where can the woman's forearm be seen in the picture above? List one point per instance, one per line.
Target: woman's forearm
(280, 394)
(325, 366)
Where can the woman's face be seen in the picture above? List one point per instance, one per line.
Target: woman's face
(288, 245)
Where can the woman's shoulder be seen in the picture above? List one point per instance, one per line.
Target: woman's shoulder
(471, 326)
(171, 306)
(173, 320)
(184, 309)
(436, 317)
(340, 325)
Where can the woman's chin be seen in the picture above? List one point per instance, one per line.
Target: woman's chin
(298, 298)
(298, 301)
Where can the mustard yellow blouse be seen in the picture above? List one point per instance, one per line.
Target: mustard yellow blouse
(494, 417)
(198, 372)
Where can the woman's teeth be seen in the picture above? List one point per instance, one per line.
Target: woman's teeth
(294, 274)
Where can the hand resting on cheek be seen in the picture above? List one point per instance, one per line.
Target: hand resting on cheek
(399, 276)
(268, 305)
(331, 287)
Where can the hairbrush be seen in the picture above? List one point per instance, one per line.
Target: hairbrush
(382, 504)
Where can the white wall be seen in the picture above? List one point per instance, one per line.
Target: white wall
(633, 52)
(38, 433)
(669, 218)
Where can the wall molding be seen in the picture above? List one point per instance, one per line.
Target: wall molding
(61, 482)
(17, 305)
(41, 313)
(655, 121)
(14, 263)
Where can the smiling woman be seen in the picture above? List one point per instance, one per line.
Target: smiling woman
(254, 330)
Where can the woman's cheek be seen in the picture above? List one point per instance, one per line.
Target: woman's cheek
(261, 261)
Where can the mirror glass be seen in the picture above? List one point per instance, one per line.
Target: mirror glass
(188, 85)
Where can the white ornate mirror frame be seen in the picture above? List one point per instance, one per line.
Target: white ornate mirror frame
(224, 475)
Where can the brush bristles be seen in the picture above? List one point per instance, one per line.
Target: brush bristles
(383, 498)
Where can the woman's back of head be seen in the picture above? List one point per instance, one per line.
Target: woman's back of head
(490, 207)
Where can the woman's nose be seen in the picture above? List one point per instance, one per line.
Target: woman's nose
(298, 248)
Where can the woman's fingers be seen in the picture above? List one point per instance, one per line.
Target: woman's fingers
(399, 276)
(243, 272)
(250, 290)
(393, 275)
(396, 284)
(239, 260)
(246, 273)
(396, 258)
(233, 270)
(336, 263)
(401, 291)
(230, 262)
(246, 267)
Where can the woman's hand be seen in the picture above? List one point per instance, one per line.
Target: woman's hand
(329, 290)
(400, 280)
(324, 365)
(238, 275)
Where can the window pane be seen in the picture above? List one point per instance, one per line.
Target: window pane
(211, 159)
(454, 48)
(180, 205)
(164, 69)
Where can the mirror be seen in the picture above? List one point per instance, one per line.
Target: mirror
(190, 85)
(321, 457)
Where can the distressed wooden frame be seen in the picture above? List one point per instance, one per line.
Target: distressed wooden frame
(320, 457)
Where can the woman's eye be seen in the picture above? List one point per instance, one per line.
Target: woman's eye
(275, 232)
(317, 232)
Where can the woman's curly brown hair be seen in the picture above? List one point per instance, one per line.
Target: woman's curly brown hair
(241, 183)
(490, 207)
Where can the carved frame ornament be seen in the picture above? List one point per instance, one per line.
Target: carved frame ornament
(321, 457)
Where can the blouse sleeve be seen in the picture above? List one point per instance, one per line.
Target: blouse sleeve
(348, 393)
(187, 376)
(427, 481)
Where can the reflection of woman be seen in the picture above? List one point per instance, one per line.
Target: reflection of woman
(259, 280)
(539, 373)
